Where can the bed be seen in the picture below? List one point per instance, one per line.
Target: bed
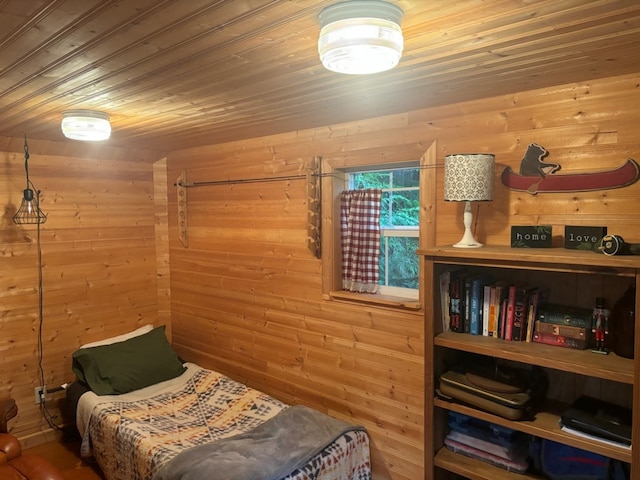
(143, 414)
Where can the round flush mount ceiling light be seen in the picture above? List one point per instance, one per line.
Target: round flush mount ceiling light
(87, 125)
(360, 36)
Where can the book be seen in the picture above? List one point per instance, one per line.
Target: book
(445, 278)
(503, 315)
(531, 315)
(501, 289)
(520, 312)
(456, 285)
(491, 316)
(536, 299)
(560, 340)
(578, 433)
(506, 452)
(511, 305)
(476, 304)
(486, 310)
(565, 315)
(563, 330)
(516, 465)
(466, 303)
(484, 430)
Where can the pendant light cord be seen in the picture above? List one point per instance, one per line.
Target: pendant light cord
(26, 160)
(43, 407)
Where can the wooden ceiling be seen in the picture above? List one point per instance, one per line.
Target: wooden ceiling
(180, 73)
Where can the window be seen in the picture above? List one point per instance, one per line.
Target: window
(403, 198)
(399, 223)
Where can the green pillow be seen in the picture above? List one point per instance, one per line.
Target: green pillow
(130, 365)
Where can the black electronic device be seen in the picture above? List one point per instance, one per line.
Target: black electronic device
(599, 418)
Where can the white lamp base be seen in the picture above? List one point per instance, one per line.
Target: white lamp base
(467, 240)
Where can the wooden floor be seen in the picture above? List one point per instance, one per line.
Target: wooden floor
(65, 454)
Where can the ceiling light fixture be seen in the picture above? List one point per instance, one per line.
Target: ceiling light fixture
(87, 125)
(360, 36)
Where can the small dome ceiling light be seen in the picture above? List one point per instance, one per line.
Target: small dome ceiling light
(360, 36)
(86, 125)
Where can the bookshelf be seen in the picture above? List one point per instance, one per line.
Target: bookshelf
(573, 277)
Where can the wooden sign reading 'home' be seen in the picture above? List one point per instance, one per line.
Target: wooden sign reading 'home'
(531, 236)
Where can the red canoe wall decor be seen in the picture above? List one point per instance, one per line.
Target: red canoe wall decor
(536, 175)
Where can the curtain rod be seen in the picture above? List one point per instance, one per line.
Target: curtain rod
(245, 180)
(248, 180)
(272, 179)
(314, 203)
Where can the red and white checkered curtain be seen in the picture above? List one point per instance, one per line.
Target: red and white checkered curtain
(360, 237)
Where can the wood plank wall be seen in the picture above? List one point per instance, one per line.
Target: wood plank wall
(99, 262)
(246, 294)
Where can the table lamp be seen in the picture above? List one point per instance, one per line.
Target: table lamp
(468, 177)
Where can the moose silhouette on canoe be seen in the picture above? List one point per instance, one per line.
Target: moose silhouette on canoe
(537, 175)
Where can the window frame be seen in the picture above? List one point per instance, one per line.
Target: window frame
(334, 181)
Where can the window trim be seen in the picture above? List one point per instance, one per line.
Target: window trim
(334, 182)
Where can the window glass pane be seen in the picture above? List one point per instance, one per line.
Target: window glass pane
(405, 208)
(406, 177)
(399, 262)
(386, 217)
(370, 180)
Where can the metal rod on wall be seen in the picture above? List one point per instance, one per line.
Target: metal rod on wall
(314, 202)
(241, 180)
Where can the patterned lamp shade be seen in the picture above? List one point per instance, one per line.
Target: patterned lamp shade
(468, 177)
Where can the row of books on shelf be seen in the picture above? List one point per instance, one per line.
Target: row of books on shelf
(476, 304)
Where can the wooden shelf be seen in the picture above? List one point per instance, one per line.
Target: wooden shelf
(551, 259)
(569, 274)
(545, 425)
(584, 362)
(474, 469)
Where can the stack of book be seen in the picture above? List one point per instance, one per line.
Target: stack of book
(476, 304)
(564, 326)
(494, 444)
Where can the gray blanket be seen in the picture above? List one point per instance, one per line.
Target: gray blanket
(270, 451)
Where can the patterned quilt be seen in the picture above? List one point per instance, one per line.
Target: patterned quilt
(132, 437)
